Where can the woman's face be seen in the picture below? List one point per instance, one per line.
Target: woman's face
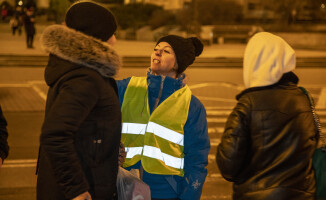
(163, 60)
(112, 40)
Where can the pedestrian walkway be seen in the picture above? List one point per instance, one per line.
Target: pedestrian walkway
(10, 44)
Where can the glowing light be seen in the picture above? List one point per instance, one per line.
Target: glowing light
(323, 6)
(20, 3)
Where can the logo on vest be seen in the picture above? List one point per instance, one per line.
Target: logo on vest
(196, 184)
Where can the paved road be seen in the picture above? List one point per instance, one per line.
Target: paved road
(23, 93)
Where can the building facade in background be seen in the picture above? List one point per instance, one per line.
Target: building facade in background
(251, 8)
(11, 2)
(166, 4)
(38, 3)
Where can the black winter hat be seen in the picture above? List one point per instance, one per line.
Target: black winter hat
(91, 19)
(185, 49)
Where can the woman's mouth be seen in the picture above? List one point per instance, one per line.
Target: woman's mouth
(156, 61)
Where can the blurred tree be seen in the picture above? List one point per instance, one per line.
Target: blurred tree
(30, 3)
(111, 1)
(134, 15)
(58, 9)
(162, 18)
(218, 12)
(290, 10)
(209, 12)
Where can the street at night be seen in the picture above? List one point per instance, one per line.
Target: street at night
(215, 77)
(23, 94)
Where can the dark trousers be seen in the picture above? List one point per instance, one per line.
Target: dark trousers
(29, 40)
(16, 28)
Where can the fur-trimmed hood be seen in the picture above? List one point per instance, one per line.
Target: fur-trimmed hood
(81, 49)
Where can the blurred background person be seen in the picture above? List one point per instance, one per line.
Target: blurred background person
(4, 148)
(164, 126)
(29, 21)
(4, 12)
(269, 138)
(16, 21)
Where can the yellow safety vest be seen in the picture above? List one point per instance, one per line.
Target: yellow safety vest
(157, 139)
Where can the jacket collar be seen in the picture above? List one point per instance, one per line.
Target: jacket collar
(170, 85)
(81, 49)
(288, 80)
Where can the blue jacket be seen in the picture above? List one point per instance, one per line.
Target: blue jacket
(196, 144)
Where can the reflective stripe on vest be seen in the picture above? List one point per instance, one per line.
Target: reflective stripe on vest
(157, 139)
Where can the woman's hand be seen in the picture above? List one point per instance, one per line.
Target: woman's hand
(122, 154)
(84, 196)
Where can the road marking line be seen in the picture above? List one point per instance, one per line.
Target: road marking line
(18, 165)
(224, 84)
(216, 99)
(37, 89)
(218, 112)
(211, 156)
(216, 119)
(210, 197)
(215, 142)
(215, 175)
(30, 84)
(39, 92)
(215, 130)
(20, 161)
(37, 82)
(15, 85)
(212, 108)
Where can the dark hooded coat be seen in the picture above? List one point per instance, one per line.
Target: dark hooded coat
(80, 138)
(269, 138)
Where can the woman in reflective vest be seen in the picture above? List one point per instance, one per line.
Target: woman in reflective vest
(164, 127)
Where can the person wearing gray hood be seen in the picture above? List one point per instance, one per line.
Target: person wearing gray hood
(269, 138)
(80, 139)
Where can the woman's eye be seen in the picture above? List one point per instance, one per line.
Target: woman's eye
(155, 49)
(166, 51)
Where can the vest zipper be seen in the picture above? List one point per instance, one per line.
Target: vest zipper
(141, 171)
(159, 93)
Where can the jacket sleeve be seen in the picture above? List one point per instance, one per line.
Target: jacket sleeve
(233, 151)
(196, 149)
(4, 148)
(75, 100)
(122, 86)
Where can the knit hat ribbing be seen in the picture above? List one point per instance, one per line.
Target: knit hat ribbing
(185, 49)
(92, 19)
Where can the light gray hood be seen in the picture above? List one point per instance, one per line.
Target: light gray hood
(267, 57)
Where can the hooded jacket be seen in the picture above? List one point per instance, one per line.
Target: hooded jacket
(196, 143)
(81, 132)
(269, 138)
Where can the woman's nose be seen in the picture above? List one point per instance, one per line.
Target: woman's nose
(158, 52)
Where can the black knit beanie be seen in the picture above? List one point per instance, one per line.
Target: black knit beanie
(185, 49)
(91, 19)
